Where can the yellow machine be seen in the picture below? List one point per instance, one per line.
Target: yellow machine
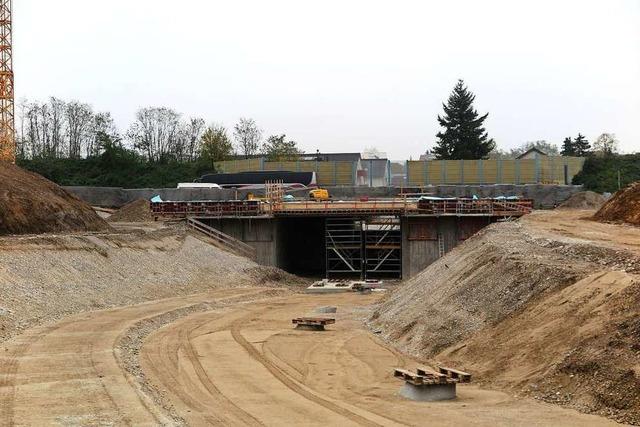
(319, 194)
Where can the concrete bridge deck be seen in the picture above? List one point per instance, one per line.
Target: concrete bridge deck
(384, 207)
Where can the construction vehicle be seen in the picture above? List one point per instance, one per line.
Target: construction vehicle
(319, 194)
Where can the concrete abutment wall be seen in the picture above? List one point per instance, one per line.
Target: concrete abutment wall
(297, 245)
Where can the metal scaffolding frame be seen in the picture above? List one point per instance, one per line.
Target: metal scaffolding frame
(383, 247)
(367, 249)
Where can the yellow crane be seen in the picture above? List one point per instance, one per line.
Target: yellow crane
(7, 123)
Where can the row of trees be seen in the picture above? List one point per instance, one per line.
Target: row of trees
(464, 136)
(59, 129)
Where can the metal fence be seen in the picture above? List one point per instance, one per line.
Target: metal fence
(327, 173)
(541, 170)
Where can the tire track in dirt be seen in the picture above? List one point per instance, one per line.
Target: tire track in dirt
(148, 326)
(287, 381)
(10, 367)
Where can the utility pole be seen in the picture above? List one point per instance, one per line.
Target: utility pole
(7, 123)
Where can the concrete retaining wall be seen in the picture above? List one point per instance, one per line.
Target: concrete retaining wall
(544, 196)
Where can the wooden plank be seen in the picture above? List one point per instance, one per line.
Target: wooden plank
(430, 373)
(463, 377)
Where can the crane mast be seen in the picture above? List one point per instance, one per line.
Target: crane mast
(7, 124)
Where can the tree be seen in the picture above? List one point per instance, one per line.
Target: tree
(80, 120)
(247, 136)
(102, 127)
(581, 145)
(606, 144)
(463, 136)
(155, 133)
(278, 149)
(215, 144)
(568, 149)
(544, 146)
(192, 132)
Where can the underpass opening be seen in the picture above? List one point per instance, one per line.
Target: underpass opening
(301, 246)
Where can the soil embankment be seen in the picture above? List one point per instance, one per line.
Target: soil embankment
(550, 316)
(31, 204)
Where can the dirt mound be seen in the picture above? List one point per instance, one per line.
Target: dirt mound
(31, 204)
(624, 206)
(553, 319)
(137, 211)
(584, 200)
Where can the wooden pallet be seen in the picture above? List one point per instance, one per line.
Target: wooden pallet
(454, 374)
(426, 376)
(313, 322)
(430, 373)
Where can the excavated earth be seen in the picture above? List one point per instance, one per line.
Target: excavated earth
(136, 211)
(148, 325)
(624, 206)
(547, 307)
(31, 204)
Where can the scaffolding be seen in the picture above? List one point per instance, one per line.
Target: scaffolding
(363, 248)
(344, 254)
(383, 248)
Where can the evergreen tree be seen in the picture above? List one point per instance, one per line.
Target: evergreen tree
(581, 145)
(568, 148)
(463, 136)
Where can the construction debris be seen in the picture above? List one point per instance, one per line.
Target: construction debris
(337, 285)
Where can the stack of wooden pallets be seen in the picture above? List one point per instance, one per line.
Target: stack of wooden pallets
(428, 377)
(317, 323)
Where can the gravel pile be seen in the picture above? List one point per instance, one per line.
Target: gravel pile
(556, 320)
(584, 200)
(137, 211)
(47, 278)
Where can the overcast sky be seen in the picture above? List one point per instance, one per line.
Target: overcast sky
(343, 75)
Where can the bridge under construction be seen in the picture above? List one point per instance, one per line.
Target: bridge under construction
(367, 239)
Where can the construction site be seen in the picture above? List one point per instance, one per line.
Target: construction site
(296, 301)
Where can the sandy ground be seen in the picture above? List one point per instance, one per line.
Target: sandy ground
(577, 224)
(225, 361)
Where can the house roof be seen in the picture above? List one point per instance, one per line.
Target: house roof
(532, 150)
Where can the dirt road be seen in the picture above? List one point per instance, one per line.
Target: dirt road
(231, 357)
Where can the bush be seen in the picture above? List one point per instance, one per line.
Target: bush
(600, 174)
(117, 167)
